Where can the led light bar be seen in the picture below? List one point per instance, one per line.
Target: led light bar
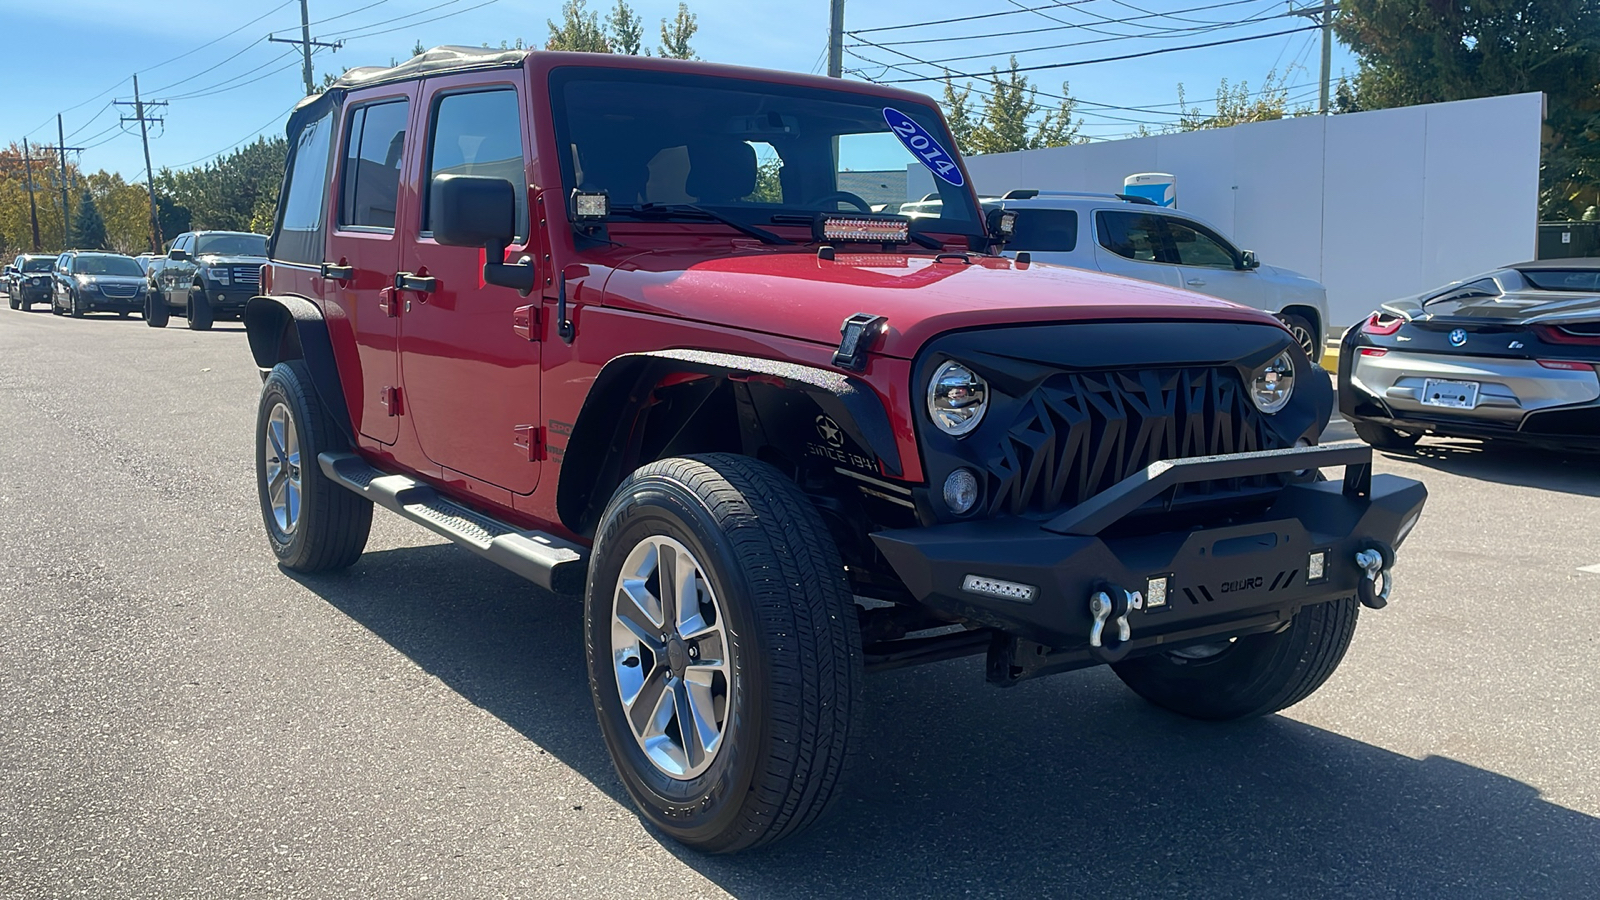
(1004, 590)
(590, 206)
(1317, 567)
(871, 229)
(1155, 592)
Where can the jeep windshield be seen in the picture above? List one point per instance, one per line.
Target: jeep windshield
(665, 146)
(231, 245)
(106, 265)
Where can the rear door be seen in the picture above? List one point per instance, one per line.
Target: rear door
(1210, 265)
(1135, 244)
(471, 380)
(363, 249)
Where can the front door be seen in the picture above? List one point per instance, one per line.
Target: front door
(1210, 265)
(363, 251)
(471, 379)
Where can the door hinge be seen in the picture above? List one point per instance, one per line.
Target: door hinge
(525, 322)
(389, 397)
(386, 302)
(530, 440)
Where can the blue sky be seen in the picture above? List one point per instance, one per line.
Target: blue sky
(223, 90)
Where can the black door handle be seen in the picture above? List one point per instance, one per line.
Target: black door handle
(422, 284)
(340, 273)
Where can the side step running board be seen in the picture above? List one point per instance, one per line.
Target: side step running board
(554, 564)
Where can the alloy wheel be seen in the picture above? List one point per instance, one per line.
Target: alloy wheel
(669, 656)
(283, 468)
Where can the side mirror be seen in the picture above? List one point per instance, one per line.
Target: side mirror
(177, 255)
(1247, 260)
(475, 211)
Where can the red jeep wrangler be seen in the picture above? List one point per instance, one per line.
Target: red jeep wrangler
(618, 325)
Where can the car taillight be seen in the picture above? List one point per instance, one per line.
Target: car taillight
(1378, 323)
(1557, 334)
(1373, 351)
(1567, 365)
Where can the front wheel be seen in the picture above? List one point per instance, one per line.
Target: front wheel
(155, 310)
(1248, 676)
(1304, 335)
(723, 650)
(1386, 438)
(200, 314)
(313, 523)
(74, 308)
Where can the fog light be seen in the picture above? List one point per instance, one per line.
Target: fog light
(994, 587)
(1155, 593)
(222, 298)
(1317, 566)
(961, 491)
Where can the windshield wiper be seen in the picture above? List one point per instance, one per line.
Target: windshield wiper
(679, 209)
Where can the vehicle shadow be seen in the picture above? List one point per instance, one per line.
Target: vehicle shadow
(1567, 472)
(1067, 786)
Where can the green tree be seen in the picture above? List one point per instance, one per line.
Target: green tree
(227, 192)
(675, 35)
(1236, 105)
(1012, 117)
(1427, 51)
(626, 30)
(88, 228)
(580, 29)
(417, 49)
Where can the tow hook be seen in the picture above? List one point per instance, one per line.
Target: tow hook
(1377, 564)
(1112, 604)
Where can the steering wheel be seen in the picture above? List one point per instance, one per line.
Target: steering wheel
(835, 196)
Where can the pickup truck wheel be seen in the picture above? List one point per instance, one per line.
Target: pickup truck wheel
(724, 651)
(1304, 335)
(155, 310)
(1250, 676)
(1386, 438)
(313, 524)
(200, 315)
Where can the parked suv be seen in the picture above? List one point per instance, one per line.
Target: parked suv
(27, 280)
(610, 322)
(1131, 236)
(205, 275)
(86, 281)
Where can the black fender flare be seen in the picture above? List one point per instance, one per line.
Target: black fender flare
(288, 327)
(620, 391)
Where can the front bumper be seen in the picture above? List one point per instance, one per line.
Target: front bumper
(1245, 575)
(1517, 398)
(102, 303)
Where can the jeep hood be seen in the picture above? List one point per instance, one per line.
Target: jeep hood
(795, 294)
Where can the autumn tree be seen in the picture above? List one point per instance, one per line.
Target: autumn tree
(1428, 51)
(580, 30)
(675, 35)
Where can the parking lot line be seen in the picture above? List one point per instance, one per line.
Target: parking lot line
(1593, 570)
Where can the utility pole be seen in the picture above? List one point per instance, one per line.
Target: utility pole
(306, 43)
(1325, 13)
(61, 157)
(33, 207)
(144, 121)
(836, 39)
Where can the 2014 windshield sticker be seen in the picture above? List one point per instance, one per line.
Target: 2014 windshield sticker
(923, 146)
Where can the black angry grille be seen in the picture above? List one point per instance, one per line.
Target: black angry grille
(1079, 433)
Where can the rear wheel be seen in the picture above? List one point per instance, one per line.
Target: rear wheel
(1385, 438)
(313, 524)
(1304, 335)
(200, 315)
(155, 309)
(1249, 676)
(723, 649)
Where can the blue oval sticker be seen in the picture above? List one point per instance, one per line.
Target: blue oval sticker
(923, 146)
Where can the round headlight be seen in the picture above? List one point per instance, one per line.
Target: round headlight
(957, 399)
(1273, 384)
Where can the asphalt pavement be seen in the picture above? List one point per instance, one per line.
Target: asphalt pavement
(180, 718)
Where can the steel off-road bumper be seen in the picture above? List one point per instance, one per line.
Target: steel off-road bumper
(1074, 592)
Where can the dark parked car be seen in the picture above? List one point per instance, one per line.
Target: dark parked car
(1511, 354)
(89, 281)
(27, 280)
(206, 274)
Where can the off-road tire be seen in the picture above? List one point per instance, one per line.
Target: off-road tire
(1256, 675)
(794, 649)
(333, 522)
(199, 312)
(156, 312)
(1386, 438)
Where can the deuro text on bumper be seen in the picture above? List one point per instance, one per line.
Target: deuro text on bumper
(1072, 592)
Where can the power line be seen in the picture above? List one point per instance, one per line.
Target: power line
(972, 18)
(223, 37)
(1021, 31)
(351, 32)
(1106, 59)
(252, 135)
(352, 37)
(234, 58)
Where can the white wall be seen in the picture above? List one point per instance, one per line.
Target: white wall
(1375, 205)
